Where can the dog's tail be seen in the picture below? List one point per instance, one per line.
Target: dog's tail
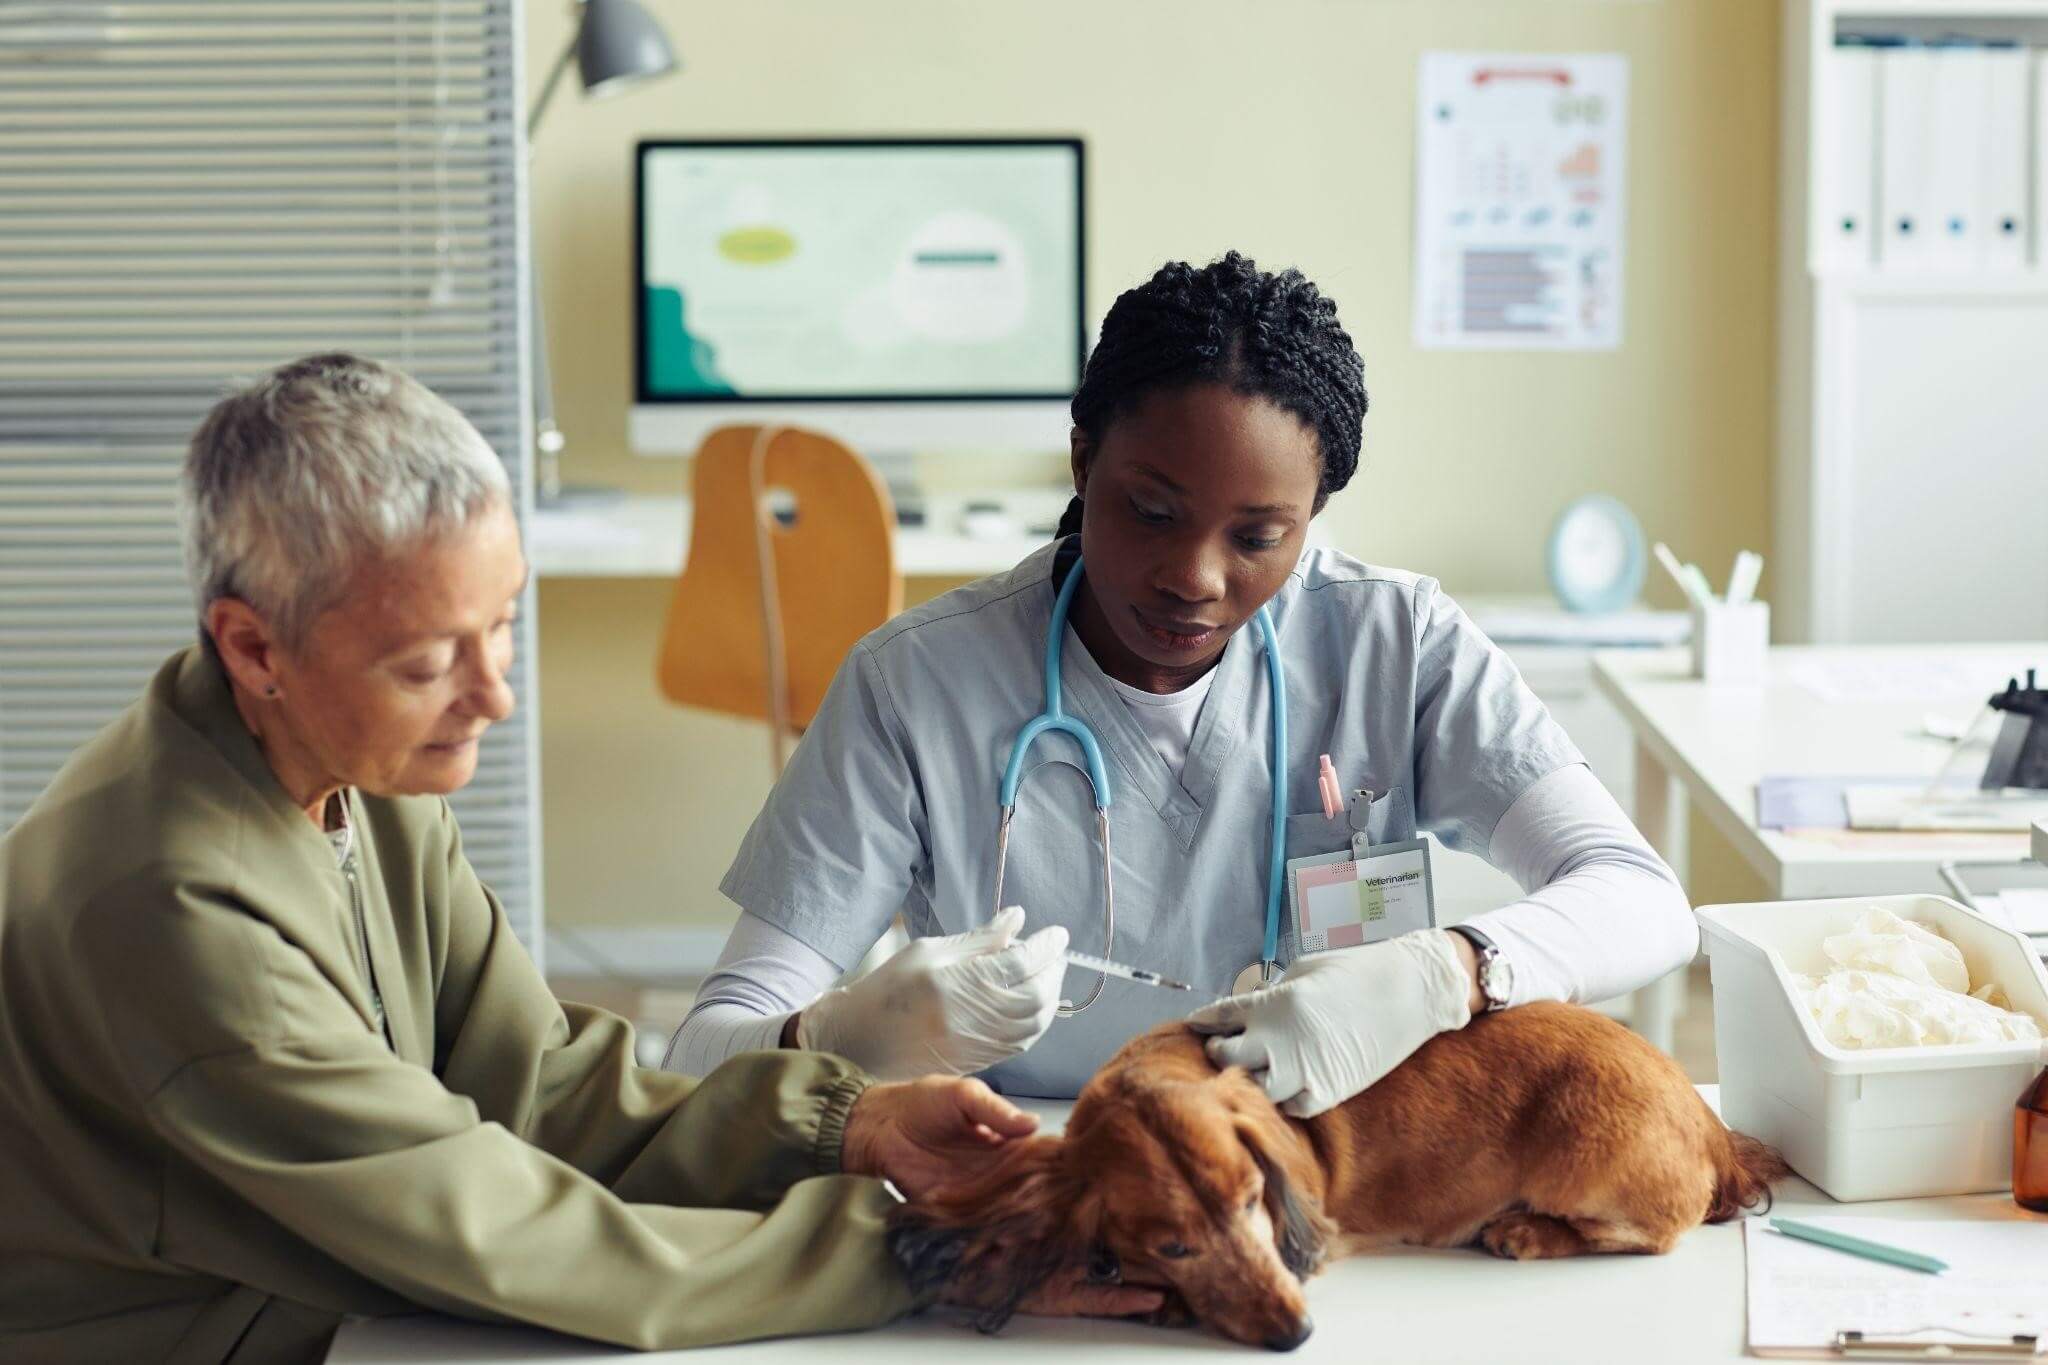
(1747, 1169)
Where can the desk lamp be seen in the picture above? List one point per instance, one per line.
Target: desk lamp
(616, 44)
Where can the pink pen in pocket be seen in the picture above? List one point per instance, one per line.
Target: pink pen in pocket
(1333, 794)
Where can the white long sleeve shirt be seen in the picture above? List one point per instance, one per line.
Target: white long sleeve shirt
(1601, 915)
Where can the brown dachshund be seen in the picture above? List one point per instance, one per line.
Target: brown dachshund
(1545, 1130)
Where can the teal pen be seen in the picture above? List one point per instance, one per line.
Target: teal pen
(1856, 1246)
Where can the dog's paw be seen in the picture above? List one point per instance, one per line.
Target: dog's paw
(1530, 1237)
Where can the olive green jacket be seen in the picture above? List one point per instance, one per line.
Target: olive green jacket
(209, 1150)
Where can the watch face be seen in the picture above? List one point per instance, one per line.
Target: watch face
(1497, 980)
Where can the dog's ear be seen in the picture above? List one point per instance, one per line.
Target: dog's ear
(1300, 1230)
(990, 1242)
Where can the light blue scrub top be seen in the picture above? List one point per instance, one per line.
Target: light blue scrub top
(889, 802)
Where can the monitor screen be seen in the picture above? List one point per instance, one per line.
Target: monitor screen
(855, 271)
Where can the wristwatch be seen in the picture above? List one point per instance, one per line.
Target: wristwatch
(1496, 973)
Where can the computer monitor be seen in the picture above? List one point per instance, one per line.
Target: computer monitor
(904, 295)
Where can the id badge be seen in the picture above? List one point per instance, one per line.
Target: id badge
(1343, 899)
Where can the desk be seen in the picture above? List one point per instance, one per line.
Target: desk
(1407, 1305)
(649, 537)
(1712, 744)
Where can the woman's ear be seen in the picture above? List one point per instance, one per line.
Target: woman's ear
(1080, 454)
(247, 647)
(989, 1243)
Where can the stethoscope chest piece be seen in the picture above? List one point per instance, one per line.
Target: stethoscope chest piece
(1256, 977)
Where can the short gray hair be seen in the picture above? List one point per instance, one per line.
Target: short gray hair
(322, 464)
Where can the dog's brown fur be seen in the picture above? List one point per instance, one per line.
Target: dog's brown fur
(1546, 1130)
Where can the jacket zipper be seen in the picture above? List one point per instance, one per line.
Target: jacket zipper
(355, 901)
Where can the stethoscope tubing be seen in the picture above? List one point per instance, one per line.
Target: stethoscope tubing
(1055, 719)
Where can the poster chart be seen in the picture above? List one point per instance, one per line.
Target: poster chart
(1521, 170)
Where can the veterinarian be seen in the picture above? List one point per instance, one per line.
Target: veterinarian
(1220, 411)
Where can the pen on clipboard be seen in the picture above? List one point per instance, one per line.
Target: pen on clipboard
(1857, 1246)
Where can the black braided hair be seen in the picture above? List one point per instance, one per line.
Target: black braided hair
(1271, 336)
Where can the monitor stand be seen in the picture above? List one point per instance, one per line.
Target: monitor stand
(898, 470)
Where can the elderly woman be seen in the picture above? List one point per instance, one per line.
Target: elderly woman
(269, 1053)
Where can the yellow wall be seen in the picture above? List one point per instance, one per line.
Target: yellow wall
(1284, 129)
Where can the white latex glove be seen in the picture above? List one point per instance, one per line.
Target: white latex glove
(947, 1005)
(1340, 1020)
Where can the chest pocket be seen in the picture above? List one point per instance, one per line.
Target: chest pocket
(1392, 820)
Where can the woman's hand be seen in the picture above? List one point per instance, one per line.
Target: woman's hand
(1079, 1297)
(919, 1135)
(1075, 1296)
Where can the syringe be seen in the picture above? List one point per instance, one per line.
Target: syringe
(1103, 964)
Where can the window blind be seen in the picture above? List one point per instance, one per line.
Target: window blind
(191, 192)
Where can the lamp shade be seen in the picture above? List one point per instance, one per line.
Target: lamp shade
(618, 44)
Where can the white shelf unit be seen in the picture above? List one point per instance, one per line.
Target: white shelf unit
(1911, 499)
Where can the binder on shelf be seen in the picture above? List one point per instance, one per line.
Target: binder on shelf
(2041, 160)
(2002, 152)
(1954, 235)
(1905, 84)
(1845, 171)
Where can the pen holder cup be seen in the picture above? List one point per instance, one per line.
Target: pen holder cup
(1729, 641)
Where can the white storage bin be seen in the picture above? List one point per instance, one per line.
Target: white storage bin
(1889, 1123)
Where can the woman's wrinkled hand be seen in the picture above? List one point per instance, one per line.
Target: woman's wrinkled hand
(920, 1135)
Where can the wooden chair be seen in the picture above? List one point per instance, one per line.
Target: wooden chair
(766, 645)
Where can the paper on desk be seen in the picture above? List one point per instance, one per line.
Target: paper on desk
(564, 530)
(1886, 807)
(2017, 907)
(1549, 626)
(1854, 679)
(1801, 802)
(1801, 1294)
(1913, 843)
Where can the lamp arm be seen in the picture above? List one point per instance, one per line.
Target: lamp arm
(547, 89)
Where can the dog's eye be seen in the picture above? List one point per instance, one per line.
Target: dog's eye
(1103, 1267)
(1251, 1203)
(1175, 1251)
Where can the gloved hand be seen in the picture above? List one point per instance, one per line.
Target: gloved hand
(1340, 1020)
(946, 1005)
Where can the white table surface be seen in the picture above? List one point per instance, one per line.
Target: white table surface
(1717, 741)
(1404, 1305)
(641, 536)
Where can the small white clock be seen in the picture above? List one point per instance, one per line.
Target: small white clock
(1595, 557)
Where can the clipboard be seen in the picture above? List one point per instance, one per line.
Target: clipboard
(1809, 1302)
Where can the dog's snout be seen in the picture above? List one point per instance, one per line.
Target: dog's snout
(1287, 1338)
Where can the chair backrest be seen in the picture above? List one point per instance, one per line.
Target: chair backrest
(834, 567)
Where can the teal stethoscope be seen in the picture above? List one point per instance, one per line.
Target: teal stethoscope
(1055, 718)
